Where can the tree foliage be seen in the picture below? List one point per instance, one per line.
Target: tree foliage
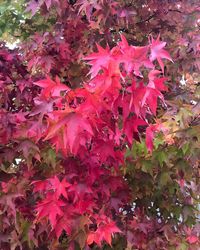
(100, 124)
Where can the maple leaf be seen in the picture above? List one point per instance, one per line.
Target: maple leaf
(103, 232)
(59, 186)
(109, 80)
(87, 7)
(79, 190)
(29, 149)
(98, 60)
(50, 208)
(35, 130)
(192, 239)
(45, 63)
(51, 88)
(85, 205)
(92, 102)
(72, 129)
(152, 91)
(151, 98)
(131, 127)
(133, 57)
(150, 131)
(159, 84)
(33, 6)
(137, 95)
(8, 200)
(155, 82)
(149, 137)
(157, 52)
(41, 185)
(42, 107)
(105, 152)
(64, 50)
(48, 3)
(63, 223)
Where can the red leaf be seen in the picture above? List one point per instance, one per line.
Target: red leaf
(131, 126)
(192, 239)
(59, 187)
(73, 130)
(79, 190)
(51, 88)
(151, 97)
(65, 222)
(157, 52)
(108, 80)
(41, 185)
(99, 60)
(134, 57)
(50, 208)
(150, 131)
(104, 232)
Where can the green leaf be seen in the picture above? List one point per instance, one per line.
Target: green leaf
(161, 157)
(164, 179)
(49, 157)
(182, 246)
(185, 147)
(147, 167)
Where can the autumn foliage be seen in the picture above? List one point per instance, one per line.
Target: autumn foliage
(100, 130)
